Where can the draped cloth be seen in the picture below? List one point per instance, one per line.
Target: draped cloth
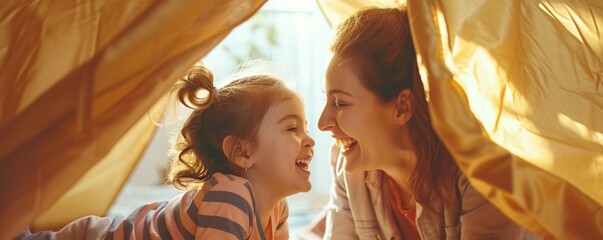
(515, 91)
(338, 10)
(77, 80)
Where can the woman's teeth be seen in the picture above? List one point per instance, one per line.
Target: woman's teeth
(347, 143)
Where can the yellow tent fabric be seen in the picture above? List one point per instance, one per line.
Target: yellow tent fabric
(518, 104)
(76, 81)
(337, 11)
(516, 92)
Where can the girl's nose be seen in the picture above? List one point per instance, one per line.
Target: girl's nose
(309, 142)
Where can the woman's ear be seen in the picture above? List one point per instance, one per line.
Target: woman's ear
(403, 107)
(235, 151)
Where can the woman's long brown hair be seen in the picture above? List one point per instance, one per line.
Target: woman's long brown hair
(378, 43)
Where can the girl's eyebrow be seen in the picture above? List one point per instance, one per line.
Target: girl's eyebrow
(288, 116)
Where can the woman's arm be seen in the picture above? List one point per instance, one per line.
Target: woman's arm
(482, 220)
(340, 223)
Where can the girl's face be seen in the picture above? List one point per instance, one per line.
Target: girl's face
(362, 124)
(283, 148)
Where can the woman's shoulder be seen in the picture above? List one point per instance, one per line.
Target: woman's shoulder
(470, 198)
(480, 219)
(463, 184)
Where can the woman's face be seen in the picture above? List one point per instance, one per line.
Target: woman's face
(362, 124)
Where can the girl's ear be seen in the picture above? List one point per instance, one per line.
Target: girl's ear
(403, 107)
(234, 149)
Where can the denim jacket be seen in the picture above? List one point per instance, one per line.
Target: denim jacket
(359, 209)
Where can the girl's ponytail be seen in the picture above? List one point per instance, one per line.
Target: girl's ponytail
(196, 90)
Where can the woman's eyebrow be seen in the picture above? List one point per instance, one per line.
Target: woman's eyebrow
(334, 91)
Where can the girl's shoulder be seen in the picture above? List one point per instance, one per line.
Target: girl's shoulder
(221, 179)
(223, 207)
(225, 182)
(222, 188)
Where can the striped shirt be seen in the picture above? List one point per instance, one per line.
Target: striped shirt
(223, 208)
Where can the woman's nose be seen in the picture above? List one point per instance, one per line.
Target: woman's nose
(326, 121)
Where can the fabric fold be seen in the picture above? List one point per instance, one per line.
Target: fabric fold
(75, 78)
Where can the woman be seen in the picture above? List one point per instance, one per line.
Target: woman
(395, 178)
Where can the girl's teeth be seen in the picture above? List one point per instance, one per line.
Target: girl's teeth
(302, 163)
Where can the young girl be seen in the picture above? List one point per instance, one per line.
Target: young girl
(247, 143)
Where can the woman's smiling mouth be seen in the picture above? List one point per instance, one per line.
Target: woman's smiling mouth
(347, 144)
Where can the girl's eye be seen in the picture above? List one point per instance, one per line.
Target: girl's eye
(292, 129)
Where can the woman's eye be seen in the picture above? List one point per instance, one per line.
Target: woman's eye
(338, 104)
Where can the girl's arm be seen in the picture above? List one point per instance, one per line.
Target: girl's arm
(222, 209)
(89, 227)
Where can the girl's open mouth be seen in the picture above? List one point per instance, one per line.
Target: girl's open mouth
(303, 163)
